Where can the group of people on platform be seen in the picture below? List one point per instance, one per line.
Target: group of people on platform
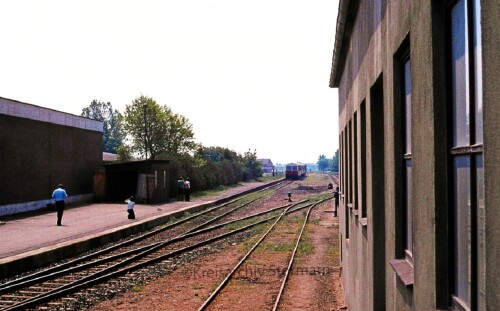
(183, 189)
(59, 195)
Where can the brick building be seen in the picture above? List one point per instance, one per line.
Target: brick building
(41, 148)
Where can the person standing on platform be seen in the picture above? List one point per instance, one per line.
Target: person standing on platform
(130, 207)
(336, 197)
(187, 189)
(59, 195)
(180, 189)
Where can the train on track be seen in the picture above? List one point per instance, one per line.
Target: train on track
(295, 170)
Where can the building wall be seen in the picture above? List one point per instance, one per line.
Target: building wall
(42, 148)
(375, 272)
(121, 180)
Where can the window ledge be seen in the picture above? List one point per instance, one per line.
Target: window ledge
(355, 212)
(349, 205)
(363, 221)
(403, 270)
(458, 304)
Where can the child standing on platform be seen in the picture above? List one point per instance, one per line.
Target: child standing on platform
(130, 207)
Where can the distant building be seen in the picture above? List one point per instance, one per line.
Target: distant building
(41, 148)
(419, 155)
(280, 168)
(267, 165)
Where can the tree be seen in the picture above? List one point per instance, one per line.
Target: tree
(216, 154)
(334, 163)
(124, 153)
(252, 169)
(180, 134)
(322, 163)
(113, 136)
(155, 129)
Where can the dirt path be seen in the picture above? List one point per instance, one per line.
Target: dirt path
(315, 280)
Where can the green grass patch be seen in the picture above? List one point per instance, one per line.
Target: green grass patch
(213, 192)
(315, 220)
(137, 288)
(305, 247)
(333, 251)
(239, 224)
(276, 248)
(269, 178)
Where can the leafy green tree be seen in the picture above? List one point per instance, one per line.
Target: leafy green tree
(334, 163)
(252, 169)
(322, 163)
(180, 134)
(113, 135)
(216, 154)
(156, 130)
(124, 153)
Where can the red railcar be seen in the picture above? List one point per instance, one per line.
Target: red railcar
(295, 170)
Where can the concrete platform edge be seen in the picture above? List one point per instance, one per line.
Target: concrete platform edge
(32, 260)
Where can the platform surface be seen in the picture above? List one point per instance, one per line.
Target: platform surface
(22, 235)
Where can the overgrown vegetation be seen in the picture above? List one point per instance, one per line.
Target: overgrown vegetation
(324, 164)
(148, 130)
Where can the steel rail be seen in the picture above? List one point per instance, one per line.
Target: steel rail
(290, 263)
(233, 271)
(109, 270)
(7, 286)
(186, 235)
(73, 269)
(106, 274)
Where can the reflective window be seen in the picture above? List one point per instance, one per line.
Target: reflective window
(459, 80)
(462, 228)
(466, 153)
(408, 209)
(407, 107)
(478, 75)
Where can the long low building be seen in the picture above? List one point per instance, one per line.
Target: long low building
(419, 125)
(41, 148)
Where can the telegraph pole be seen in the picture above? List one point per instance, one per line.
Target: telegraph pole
(145, 106)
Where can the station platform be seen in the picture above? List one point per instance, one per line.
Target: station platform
(32, 241)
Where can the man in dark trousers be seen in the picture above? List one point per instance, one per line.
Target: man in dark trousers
(59, 195)
(336, 197)
(180, 189)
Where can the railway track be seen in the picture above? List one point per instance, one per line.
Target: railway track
(37, 287)
(279, 283)
(126, 259)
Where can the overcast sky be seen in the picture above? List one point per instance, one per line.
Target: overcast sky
(247, 74)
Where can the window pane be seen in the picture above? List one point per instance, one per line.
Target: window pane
(459, 80)
(481, 242)
(478, 72)
(409, 209)
(408, 106)
(462, 228)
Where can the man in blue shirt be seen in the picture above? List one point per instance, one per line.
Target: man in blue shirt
(180, 189)
(59, 195)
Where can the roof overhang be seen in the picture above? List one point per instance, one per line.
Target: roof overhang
(345, 22)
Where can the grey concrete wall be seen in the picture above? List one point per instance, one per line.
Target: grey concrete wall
(491, 94)
(370, 282)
